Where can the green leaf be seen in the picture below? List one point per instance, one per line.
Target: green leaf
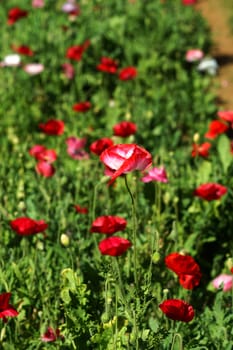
(223, 148)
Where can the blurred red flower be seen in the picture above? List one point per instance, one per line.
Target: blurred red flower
(227, 116)
(189, 2)
(23, 50)
(107, 65)
(15, 14)
(25, 226)
(177, 310)
(6, 309)
(81, 210)
(45, 169)
(201, 150)
(36, 150)
(50, 335)
(75, 52)
(53, 127)
(100, 145)
(114, 246)
(216, 128)
(210, 191)
(75, 148)
(124, 158)
(124, 129)
(108, 224)
(128, 73)
(186, 268)
(82, 106)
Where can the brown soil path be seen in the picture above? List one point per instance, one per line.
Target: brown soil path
(217, 17)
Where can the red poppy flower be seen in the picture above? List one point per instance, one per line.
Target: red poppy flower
(82, 106)
(189, 2)
(81, 210)
(25, 226)
(53, 127)
(227, 116)
(231, 269)
(15, 14)
(45, 169)
(114, 246)
(100, 145)
(128, 73)
(50, 335)
(108, 224)
(75, 52)
(216, 128)
(23, 50)
(201, 150)
(124, 129)
(48, 155)
(186, 268)
(6, 310)
(107, 65)
(123, 158)
(210, 191)
(36, 150)
(177, 310)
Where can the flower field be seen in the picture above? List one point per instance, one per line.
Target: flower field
(116, 179)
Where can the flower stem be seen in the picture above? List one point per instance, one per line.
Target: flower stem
(134, 218)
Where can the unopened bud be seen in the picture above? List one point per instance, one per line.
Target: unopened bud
(65, 240)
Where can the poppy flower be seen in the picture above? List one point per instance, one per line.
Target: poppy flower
(75, 148)
(6, 309)
(71, 8)
(189, 2)
(156, 174)
(33, 68)
(81, 210)
(186, 268)
(124, 129)
(68, 70)
(128, 73)
(48, 155)
(114, 246)
(36, 150)
(82, 106)
(226, 115)
(11, 61)
(38, 3)
(108, 224)
(53, 127)
(23, 50)
(45, 169)
(216, 128)
(210, 191)
(194, 55)
(15, 14)
(177, 310)
(201, 150)
(107, 65)
(124, 158)
(50, 335)
(75, 52)
(25, 226)
(209, 65)
(225, 281)
(100, 145)
(231, 269)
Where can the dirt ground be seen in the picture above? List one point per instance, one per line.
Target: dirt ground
(217, 16)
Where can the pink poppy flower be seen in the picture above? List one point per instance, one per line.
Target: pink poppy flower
(6, 309)
(124, 158)
(33, 68)
(75, 148)
(189, 2)
(194, 55)
(156, 174)
(114, 246)
(36, 150)
(38, 3)
(50, 335)
(223, 280)
(227, 116)
(48, 155)
(68, 70)
(45, 169)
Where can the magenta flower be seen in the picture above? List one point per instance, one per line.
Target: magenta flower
(75, 148)
(156, 174)
(224, 280)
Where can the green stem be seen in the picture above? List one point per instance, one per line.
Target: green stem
(179, 337)
(134, 218)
